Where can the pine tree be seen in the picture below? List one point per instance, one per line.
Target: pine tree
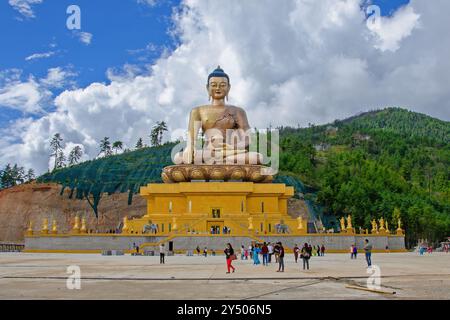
(60, 160)
(105, 146)
(30, 175)
(75, 155)
(139, 144)
(56, 145)
(157, 133)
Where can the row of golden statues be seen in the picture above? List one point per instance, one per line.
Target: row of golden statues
(54, 228)
(382, 227)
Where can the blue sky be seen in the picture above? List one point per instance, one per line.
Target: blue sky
(121, 31)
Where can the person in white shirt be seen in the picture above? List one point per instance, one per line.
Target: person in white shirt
(162, 253)
(270, 247)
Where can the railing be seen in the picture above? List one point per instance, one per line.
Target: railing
(11, 247)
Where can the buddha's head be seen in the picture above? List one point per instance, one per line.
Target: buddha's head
(218, 84)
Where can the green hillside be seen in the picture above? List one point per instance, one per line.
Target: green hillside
(367, 166)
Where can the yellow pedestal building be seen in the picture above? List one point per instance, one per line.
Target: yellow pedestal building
(207, 207)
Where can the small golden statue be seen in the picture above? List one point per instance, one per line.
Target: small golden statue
(76, 226)
(44, 226)
(250, 223)
(125, 225)
(399, 229)
(374, 226)
(343, 224)
(382, 224)
(174, 224)
(54, 227)
(83, 225)
(30, 229)
(300, 227)
(349, 222)
(387, 227)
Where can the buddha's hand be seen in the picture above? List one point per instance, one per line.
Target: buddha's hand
(188, 155)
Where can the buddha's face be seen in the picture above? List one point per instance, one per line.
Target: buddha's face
(218, 87)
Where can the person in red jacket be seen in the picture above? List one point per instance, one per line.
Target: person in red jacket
(265, 254)
(229, 255)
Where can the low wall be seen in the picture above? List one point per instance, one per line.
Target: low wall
(181, 243)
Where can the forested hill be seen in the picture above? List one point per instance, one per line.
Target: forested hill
(377, 164)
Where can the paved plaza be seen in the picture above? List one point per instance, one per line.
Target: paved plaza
(334, 276)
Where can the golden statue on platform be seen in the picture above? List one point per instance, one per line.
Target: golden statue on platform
(30, 229)
(399, 229)
(349, 224)
(174, 224)
(250, 223)
(382, 229)
(76, 226)
(225, 152)
(374, 226)
(343, 224)
(125, 225)
(83, 228)
(44, 226)
(54, 227)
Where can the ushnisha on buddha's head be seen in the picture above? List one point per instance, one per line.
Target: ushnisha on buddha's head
(218, 85)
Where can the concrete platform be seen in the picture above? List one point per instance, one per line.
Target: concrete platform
(44, 276)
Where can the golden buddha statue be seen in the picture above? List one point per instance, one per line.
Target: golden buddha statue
(220, 124)
(225, 152)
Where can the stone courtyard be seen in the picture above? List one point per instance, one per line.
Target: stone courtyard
(334, 276)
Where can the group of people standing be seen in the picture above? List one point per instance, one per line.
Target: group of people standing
(306, 252)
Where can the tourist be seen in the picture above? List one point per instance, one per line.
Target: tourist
(296, 250)
(421, 250)
(198, 250)
(205, 252)
(246, 254)
(446, 248)
(242, 252)
(352, 254)
(318, 250)
(250, 249)
(280, 257)
(368, 251)
(265, 254)
(162, 253)
(355, 251)
(322, 250)
(256, 251)
(230, 256)
(270, 247)
(306, 255)
(276, 251)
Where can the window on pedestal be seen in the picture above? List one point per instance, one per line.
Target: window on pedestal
(162, 227)
(170, 227)
(270, 227)
(262, 207)
(262, 227)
